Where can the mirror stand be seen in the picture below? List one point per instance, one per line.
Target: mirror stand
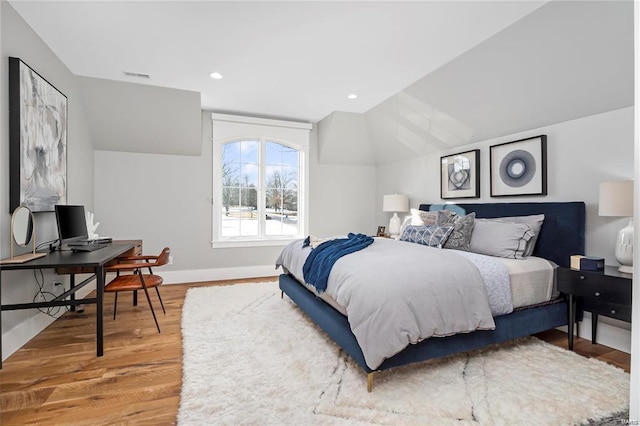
(22, 232)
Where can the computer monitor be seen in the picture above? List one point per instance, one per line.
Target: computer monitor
(72, 223)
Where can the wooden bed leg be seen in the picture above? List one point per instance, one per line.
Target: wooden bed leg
(370, 382)
(281, 294)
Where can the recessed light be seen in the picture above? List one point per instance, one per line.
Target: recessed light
(216, 75)
(352, 96)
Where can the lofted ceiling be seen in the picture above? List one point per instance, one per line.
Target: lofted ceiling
(430, 75)
(296, 60)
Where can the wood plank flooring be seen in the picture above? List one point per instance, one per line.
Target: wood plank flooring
(57, 379)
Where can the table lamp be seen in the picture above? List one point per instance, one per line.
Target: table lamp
(395, 203)
(616, 199)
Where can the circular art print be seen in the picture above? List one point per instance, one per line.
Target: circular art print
(519, 168)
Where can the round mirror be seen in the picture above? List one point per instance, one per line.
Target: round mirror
(22, 226)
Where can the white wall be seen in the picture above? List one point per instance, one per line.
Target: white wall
(166, 201)
(19, 40)
(634, 406)
(580, 154)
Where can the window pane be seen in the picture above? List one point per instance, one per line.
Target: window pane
(231, 153)
(274, 176)
(274, 200)
(280, 154)
(239, 215)
(249, 175)
(290, 178)
(249, 151)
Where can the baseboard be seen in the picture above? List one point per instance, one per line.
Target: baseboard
(201, 275)
(19, 335)
(608, 335)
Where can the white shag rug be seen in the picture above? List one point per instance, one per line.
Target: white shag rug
(253, 358)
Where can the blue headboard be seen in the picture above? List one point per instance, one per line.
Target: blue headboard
(562, 232)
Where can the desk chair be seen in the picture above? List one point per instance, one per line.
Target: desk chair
(137, 279)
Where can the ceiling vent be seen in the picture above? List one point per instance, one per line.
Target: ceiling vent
(136, 75)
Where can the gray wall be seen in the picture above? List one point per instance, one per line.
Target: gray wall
(166, 201)
(134, 117)
(19, 40)
(580, 154)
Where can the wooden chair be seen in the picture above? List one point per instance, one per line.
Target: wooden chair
(137, 279)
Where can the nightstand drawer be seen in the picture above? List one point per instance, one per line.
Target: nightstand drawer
(595, 286)
(612, 310)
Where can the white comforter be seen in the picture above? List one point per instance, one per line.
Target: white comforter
(397, 293)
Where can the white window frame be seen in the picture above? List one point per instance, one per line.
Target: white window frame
(230, 128)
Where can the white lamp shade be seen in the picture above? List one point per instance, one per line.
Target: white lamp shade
(395, 203)
(616, 199)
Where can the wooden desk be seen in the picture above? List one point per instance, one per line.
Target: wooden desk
(94, 262)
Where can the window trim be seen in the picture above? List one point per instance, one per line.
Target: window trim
(267, 129)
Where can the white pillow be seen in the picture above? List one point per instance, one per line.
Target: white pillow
(500, 239)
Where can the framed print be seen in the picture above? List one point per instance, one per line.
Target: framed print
(460, 175)
(37, 140)
(381, 231)
(519, 167)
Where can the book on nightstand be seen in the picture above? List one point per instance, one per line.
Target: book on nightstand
(587, 263)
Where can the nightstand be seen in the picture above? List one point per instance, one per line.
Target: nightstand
(605, 293)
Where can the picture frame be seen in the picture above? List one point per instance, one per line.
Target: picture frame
(38, 120)
(381, 231)
(460, 175)
(519, 168)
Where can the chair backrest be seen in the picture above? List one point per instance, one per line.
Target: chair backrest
(163, 258)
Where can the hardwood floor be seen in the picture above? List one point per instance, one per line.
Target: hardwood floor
(57, 379)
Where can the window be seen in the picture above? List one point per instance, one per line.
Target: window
(259, 180)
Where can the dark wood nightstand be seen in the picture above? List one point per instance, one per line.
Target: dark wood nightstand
(605, 293)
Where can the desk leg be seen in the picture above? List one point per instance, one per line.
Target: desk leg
(72, 284)
(594, 327)
(99, 313)
(1, 317)
(572, 319)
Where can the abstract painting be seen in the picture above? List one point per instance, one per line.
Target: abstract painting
(37, 139)
(460, 175)
(519, 167)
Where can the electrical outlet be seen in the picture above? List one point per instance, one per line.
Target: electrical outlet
(58, 288)
(170, 260)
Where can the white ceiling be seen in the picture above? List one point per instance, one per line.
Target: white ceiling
(296, 60)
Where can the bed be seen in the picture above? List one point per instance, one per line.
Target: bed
(561, 236)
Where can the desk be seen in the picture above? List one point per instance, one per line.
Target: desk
(93, 261)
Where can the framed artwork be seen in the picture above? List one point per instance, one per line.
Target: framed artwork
(460, 175)
(519, 167)
(381, 231)
(37, 140)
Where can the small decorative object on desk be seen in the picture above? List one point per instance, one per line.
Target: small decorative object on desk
(91, 227)
(587, 263)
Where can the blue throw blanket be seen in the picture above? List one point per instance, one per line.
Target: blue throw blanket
(318, 265)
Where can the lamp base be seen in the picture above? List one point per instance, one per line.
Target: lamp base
(626, 269)
(394, 226)
(624, 248)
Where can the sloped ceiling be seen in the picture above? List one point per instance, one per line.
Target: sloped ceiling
(564, 61)
(284, 59)
(431, 75)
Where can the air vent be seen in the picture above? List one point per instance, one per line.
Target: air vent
(136, 75)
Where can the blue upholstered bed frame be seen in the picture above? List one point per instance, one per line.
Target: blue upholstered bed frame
(562, 235)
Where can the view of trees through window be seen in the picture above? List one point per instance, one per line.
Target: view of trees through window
(259, 189)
